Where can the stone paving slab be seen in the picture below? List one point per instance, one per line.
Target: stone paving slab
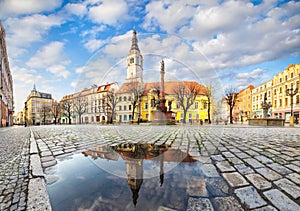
(289, 187)
(268, 159)
(281, 201)
(250, 197)
(258, 181)
(195, 204)
(235, 179)
(227, 203)
(37, 195)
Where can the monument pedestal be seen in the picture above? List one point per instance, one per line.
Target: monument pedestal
(266, 122)
(162, 118)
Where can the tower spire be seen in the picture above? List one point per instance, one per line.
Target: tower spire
(34, 88)
(134, 41)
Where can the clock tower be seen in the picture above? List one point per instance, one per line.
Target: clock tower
(134, 61)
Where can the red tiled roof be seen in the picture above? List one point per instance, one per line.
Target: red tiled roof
(171, 86)
(127, 87)
(105, 88)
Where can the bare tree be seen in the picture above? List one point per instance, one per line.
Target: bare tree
(67, 109)
(186, 94)
(79, 106)
(44, 112)
(111, 100)
(231, 97)
(55, 111)
(136, 94)
(209, 94)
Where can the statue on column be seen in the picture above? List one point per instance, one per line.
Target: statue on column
(266, 106)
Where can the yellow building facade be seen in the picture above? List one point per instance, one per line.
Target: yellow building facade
(281, 102)
(196, 113)
(258, 94)
(244, 104)
(38, 107)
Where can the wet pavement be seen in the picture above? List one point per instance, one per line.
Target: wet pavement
(260, 166)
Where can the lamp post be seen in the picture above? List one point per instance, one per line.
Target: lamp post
(290, 92)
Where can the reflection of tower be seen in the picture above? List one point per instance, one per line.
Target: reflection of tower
(161, 173)
(134, 170)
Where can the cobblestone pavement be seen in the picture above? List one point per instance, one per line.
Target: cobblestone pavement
(260, 165)
(14, 164)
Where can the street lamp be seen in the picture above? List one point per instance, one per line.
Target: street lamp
(290, 92)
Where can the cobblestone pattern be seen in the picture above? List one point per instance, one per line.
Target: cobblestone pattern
(264, 161)
(14, 172)
(259, 164)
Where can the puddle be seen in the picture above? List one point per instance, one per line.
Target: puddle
(130, 177)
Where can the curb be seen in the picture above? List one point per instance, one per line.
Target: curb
(38, 198)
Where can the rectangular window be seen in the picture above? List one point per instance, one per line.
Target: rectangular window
(196, 105)
(125, 117)
(152, 102)
(292, 75)
(120, 108)
(197, 116)
(129, 107)
(120, 118)
(178, 105)
(147, 116)
(280, 102)
(146, 105)
(125, 108)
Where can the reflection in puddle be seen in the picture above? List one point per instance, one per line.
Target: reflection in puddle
(130, 177)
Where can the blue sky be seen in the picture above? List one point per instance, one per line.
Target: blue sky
(64, 46)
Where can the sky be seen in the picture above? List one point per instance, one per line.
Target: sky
(65, 46)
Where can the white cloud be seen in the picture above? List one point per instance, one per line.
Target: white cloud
(108, 11)
(59, 70)
(168, 14)
(94, 31)
(23, 82)
(49, 55)
(93, 44)
(76, 9)
(231, 33)
(52, 58)
(245, 79)
(182, 61)
(21, 32)
(10, 8)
